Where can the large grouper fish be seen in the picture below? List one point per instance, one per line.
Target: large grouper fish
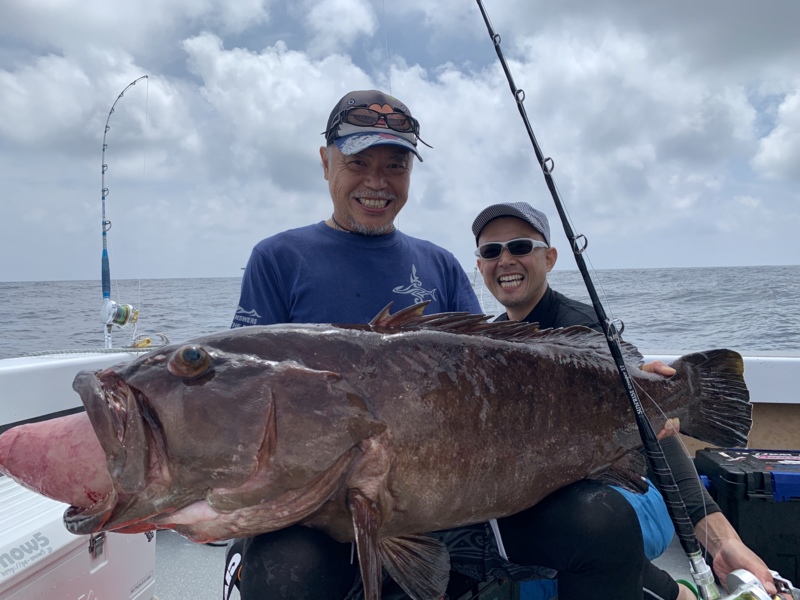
(376, 433)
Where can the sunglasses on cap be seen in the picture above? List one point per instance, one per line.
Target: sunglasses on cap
(515, 247)
(366, 117)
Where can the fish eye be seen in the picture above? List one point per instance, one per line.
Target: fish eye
(189, 362)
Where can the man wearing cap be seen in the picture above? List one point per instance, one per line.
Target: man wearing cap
(342, 270)
(347, 268)
(525, 293)
(514, 256)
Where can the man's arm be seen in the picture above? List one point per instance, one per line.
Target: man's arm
(719, 537)
(712, 528)
(261, 301)
(463, 299)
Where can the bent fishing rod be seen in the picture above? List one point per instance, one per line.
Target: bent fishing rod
(113, 313)
(701, 572)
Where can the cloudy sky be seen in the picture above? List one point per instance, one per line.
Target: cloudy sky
(674, 126)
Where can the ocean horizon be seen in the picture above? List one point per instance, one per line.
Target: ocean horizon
(753, 310)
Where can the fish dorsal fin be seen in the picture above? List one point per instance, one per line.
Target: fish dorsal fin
(401, 317)
(420, 564)
(412, 319)
(576, 336)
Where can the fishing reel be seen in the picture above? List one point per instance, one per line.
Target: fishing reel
(743, 585)
(120, 315)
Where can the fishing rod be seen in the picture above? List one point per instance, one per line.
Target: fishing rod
(744, 587)
(113, 313)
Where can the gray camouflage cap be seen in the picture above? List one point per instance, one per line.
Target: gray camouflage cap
(521, 210)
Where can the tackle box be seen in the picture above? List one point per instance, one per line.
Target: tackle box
(759, 492)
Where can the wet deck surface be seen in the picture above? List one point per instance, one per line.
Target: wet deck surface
(188, 570)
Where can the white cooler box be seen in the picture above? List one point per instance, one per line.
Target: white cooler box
(41, 560)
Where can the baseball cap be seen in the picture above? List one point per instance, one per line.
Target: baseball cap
(521, 210)
(354, 130)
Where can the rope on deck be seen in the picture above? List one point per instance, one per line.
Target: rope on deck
(92, 351)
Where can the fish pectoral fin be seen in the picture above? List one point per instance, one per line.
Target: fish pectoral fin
(628, 473)
(366, 521)
(420, 564)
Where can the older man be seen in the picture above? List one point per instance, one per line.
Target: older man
(347, 268)
(342, 270)
(515, 255)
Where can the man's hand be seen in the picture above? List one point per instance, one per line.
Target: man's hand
(659, 368)
(733, 554)
(671, 427)
(721, 540)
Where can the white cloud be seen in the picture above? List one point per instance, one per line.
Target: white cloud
(336, 24)
(653, 129)
(778, 154)
(149, 29)
(30, 93)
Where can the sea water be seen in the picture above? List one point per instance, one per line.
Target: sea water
(754, 310)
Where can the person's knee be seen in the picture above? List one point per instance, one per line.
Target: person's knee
(586, 525)
(597, 522)
(303, 545)
(295, 562)
(604, 520)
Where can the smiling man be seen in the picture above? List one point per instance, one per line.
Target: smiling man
(347, 268)
(514, 257)
(341, 270)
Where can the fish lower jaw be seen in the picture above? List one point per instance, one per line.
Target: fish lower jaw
(88, 520)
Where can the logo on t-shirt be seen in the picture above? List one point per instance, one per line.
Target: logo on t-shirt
(415, 288)
(245, 317)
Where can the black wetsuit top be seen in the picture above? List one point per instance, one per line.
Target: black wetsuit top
(556, 310)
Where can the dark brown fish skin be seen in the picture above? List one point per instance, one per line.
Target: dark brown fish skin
(437, 429)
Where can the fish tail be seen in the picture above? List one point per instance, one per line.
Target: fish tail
(719, 411)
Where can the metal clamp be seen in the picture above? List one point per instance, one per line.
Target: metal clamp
(785, 586)
(96, 544)
(743, 585)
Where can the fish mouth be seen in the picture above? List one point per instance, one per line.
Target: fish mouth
(116, 411)
(86, 521)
